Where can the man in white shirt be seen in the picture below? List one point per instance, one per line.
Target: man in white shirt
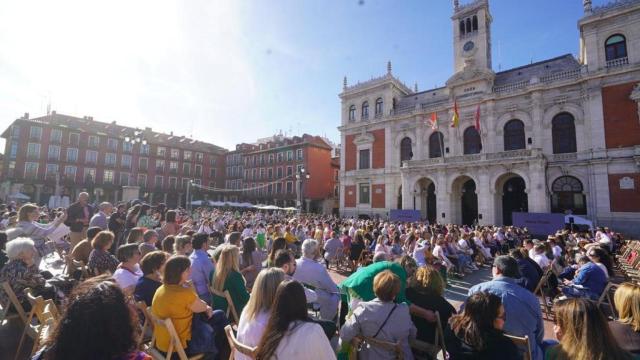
(540, 257)
(312, 273)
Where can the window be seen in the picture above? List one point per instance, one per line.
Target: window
(55, 136)
(563, 133)
(143, 164)
(33, 151)
(279, 173)
(280, 157)
(378, 107)
(474, 23)
(160, 166)
(31, 170)
(124, 178)
(364, 194)
(91, 157)
(94, 141)
(72, 155)
(298, 169)
(405, 149)
(289, 170)
(173, 183)
(110, 159)
(175, 154)
(142, 180)
(161, 151)
(212, 161)
(364, 159)
(615, 47)
(468, 25)
(144, 149)
(567, 196)
(212, 173)
(270, 189)
(299, 154)
(127, 147)
(462, 29)
(289, 187)
(54, 153)
(514, 135)
(15, 132)
(289, 155)
(185, 183)
(186, 169)
(365, 110)
(270, 173)
(108, 176)
(70, 172)
(125, 161)
(198, 171)
(436, 145)
(158, 182)
(262, 173)
(35, 133)
(112, 144)
(199, 157)
(89, 175)
(352, 113)
(279, 188)
(187, 156)
(13, 150)
(173, 167)
(272, 158)
(51, 170)
(74, 139)
(472, 142)
(11, 171)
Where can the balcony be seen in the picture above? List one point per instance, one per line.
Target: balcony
(617, 62)
(481, 159)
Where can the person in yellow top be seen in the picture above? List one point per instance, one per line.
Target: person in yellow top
(199, 327)
(288, 235)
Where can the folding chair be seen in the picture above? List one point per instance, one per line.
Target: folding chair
(146, 332)
(13, 301)
(395, 348)
(238, 346)
(46, 314)
(432, 349)
(174, 346)
(522, 343)
(231, 309)
(606, 295)
(539, 291)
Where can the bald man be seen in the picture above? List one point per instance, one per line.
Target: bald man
(78, 216)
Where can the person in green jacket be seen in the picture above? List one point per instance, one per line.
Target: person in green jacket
(227, 276)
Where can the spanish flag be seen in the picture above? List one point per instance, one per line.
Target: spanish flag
(456, 119)
(434, 121)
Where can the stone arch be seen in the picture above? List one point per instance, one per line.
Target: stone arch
(401, 135)
(554, 110)
(424, 194)
(498, 182)
(451, 181)
(518, 114)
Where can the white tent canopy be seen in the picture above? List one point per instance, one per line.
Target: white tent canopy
(19, 196)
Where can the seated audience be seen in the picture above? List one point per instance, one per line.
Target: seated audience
(381, 319)
(426, 289)
(3, 252)
(152, 266)
(100, 260)
(200, 328)
(589, 282)
(128, 271)
(284, 260)
(82, 250)
(95, 324)
(477, 333)
(331, 247)
(182, 245)
(201, 266)
(170, 226)
(150, 238)
(136, 236)
(278, 244)
(583, 333)
(250, 261)
(530, 275)
(601, 258)
(522, 308)
(540, 257)
(255, 316)
(626, 330)
(290, 333)
(227, 276)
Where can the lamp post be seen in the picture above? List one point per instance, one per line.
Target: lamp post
(301, 176)
(136, 138)
(188, 206)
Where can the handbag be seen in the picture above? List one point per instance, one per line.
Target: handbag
(364, 343)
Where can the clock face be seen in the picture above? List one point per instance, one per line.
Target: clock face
(468, 46)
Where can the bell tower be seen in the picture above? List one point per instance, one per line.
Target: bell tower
(471, 36)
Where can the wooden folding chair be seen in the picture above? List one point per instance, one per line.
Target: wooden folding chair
(522, 343)
(606, 295)
(431, 349)
(146, 332)
(46, 314)
(238, 346)
(539, 292)
(174, 346)
(231, 309)
(395, 348)
(12, 301)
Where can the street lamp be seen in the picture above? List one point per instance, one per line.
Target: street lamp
(301, 176)
(136, 138)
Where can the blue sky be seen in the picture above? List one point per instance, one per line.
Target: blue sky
(231, 71)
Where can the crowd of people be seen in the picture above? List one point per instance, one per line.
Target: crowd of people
(268, 273)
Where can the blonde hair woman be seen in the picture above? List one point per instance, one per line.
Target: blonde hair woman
(426, 289)
(28, 226)
(227, 276)
(255, 316)
(627, 329)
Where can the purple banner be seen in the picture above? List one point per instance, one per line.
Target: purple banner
(405, 215)
(539, 223)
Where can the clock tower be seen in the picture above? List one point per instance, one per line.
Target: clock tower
(471, 36)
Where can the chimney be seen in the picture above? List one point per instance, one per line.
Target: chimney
(113, 122)
(53, 112)
(171, 133)
(26, 116)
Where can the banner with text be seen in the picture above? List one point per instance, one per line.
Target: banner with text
(405, 215)
(541, 224)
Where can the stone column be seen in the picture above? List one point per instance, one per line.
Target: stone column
(407, 192)
(485, 199)
(537, 194)
(537, 115)
(164, 198)
(418, 154)
(443, 198)
(38, 192)
(488, 129)
(599, 188)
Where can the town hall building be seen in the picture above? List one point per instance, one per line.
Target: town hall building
(561, 135)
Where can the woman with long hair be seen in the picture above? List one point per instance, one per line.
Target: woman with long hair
(600, 257)
(135, 236)
(227, 276)
(426, 289)
(255, 316)
(278, 244)
(131, 219)
(583, 333)
(250, 261)
(96, 324)
(290, 333)
(476, 333)
(627, 328)
(146, 220)
(170, 226)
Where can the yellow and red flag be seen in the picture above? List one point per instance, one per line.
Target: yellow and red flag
(456, 118)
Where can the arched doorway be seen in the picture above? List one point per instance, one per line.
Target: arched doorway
(568, 196)
(464, 199)
(426, 199)
(399, 204)
(514, 199)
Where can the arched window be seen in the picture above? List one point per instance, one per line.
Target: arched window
(436, 144)
(365, 110)
(472, 143)
(462, 32)
(468, 25)
(563, 133)
(514, 135)
(475, 23)
(567, 196)
(378, 107)
(615, 47)
(405, 149)
(352, 113)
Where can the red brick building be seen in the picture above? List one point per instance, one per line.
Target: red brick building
(87, 155)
